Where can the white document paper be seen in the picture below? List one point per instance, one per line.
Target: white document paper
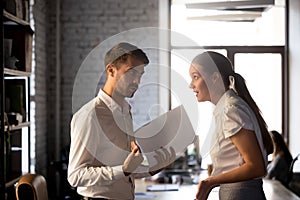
(172, 129)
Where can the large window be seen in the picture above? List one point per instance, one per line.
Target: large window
(262, 71)
(254, 42)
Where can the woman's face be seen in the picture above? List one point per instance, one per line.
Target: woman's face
(198, 84)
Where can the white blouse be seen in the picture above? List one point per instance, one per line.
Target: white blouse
(231, 114)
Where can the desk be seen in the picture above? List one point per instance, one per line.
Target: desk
(274, 190)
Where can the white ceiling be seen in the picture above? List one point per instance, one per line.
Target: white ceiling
(227, 10)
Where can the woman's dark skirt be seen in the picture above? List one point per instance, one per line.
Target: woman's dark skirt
(246, 190)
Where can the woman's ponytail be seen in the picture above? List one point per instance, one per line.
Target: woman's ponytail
(243, 92)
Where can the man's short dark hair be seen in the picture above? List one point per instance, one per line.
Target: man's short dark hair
(120, 53)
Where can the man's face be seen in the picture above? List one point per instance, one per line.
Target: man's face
(128, 77)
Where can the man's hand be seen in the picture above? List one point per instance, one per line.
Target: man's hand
(163, 158)
(133, 160)
(133, 145)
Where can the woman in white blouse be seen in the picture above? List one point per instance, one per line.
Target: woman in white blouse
(242, 141)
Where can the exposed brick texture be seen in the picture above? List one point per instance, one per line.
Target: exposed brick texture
(84, 24)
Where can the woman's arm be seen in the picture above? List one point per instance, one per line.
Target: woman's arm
(246, 143)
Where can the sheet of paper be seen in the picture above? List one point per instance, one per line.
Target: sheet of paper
(170, 129)
(163, 187)
(144, 196)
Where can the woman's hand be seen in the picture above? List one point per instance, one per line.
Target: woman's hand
(204, 188)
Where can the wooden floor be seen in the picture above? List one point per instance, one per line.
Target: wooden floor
(274, 190)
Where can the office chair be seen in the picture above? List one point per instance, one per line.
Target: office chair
(294, 178)
(291, 169)
(32, 187)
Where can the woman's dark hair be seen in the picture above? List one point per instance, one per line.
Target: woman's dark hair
(212, 62)
(280, 146)
(120, 52)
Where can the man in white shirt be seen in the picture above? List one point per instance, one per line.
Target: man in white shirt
(104, 158)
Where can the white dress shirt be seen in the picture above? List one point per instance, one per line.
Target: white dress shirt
(231, 114)
(100, 142)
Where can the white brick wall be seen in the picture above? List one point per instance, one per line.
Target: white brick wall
(40, 86)
(84, 24)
